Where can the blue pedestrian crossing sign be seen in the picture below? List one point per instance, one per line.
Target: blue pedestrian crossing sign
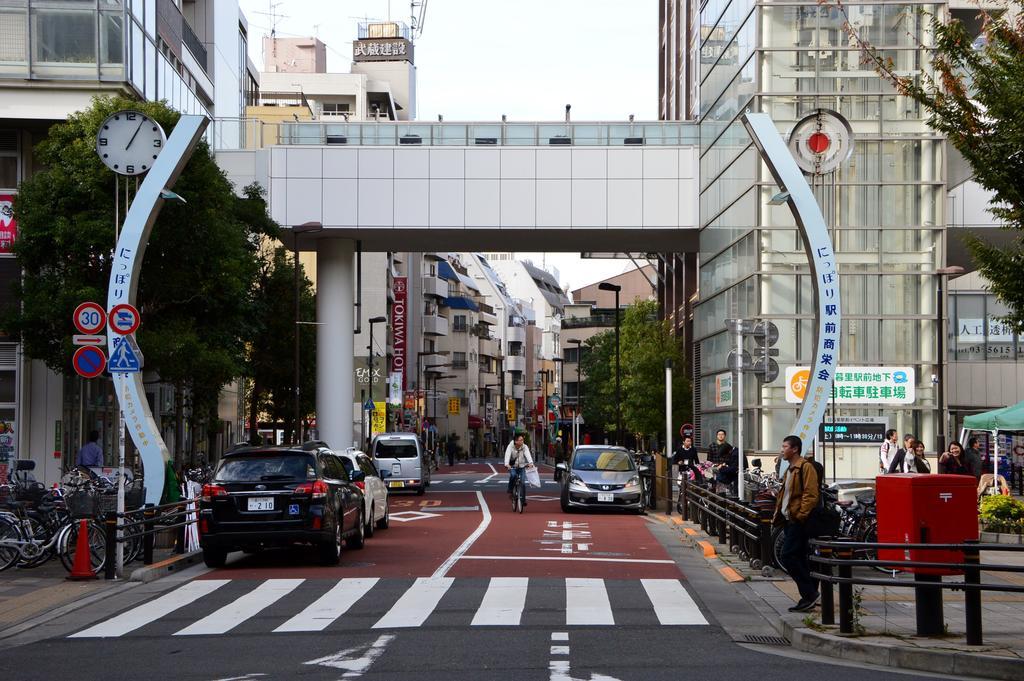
(369, 405)
(125, 358)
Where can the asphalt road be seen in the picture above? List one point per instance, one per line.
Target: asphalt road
(458, 588)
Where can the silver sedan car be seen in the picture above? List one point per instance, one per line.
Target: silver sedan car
(600, 476)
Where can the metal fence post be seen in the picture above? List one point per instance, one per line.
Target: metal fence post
(828, 615)
(765, 540)
(845, 592)
(179, 545)
(110, 532)
(148, 538)
(972, 597)
(683, 511)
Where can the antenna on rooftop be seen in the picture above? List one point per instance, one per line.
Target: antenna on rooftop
(417, 17)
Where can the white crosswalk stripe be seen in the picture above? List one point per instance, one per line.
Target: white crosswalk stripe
(330, 606)
(586, 602)
(503, 603)
(249, 605)
(153, 610)
(416, 604)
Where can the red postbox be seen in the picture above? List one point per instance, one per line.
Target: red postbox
(926, 509)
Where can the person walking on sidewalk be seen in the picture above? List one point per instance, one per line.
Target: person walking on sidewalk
(800, 495)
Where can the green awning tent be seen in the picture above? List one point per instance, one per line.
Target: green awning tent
(1007, 418)
(998, 420)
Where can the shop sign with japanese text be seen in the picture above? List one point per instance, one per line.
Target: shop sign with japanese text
(858, 385)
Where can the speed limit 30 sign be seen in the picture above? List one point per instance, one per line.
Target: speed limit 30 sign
(90, 318)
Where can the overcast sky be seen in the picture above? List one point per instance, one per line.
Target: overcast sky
(479, 59)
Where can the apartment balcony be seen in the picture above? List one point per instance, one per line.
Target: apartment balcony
(435, 325)
(516, 334)
(488, 348)
(518, 391)
(515, 363)
(488, 317)
(432, 360)
(434, 285)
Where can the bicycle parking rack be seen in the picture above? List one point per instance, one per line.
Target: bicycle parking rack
(838, 554)
(744, 528)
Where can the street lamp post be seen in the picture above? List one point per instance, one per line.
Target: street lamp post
(606, 286)
(942, 273)
(433, 411)
(561, 383)
(297, 231)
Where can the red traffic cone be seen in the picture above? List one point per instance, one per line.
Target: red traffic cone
(82, 569)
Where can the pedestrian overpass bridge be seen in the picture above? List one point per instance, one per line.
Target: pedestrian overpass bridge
(478, 186)
(459, 187)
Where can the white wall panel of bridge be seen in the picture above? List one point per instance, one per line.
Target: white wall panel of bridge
(422, 188)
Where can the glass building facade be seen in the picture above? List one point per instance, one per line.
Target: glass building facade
(884, 206)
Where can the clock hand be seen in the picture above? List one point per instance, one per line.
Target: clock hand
(133, 136)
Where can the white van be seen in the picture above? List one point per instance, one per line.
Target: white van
(404, 456)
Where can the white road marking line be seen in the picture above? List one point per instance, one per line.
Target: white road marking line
(329, 607)
(356, 666)
(416, 604)
(586, 602)
(460, 552)
(595, 560)
(249, 605)
(153, 610)
(503, 603)
(560, 636)
(494, 471)
(559, 650)
(456, 482)
(672, 603)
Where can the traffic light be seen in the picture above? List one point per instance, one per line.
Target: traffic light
(766, 335)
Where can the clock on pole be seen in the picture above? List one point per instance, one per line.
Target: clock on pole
(128, 142)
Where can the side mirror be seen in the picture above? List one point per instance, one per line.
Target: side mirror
(384, 473)
(562, 466)
(358, 476)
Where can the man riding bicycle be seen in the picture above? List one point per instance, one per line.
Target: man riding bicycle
(517, 458)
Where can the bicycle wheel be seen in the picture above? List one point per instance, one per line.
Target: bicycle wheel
(35, 544)
(871, 537)
(10, 543)
(68, 545)
(778, 538)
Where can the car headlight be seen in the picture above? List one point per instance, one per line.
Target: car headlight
(633, 483)
(577, 482)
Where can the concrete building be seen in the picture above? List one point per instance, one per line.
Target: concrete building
(724, 57)
(541, 290)
(294, 55)
(54, 57)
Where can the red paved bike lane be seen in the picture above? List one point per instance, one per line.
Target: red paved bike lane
(421, 537)
(545, 542)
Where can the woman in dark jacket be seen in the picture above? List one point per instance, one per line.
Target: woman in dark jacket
(953, 462)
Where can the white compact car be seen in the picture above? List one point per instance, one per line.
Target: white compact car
(367, 477)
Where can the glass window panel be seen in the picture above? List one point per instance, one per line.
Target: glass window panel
(859, 343)
(8, 172)
(904, 205)
(860, 294)
(901, 342)
(863, 165)
(778, 293)
(969, 325)
(727, 227)
(13, 42)
(64, 37)
(111, 43)
(999, 336)
(912, 160)
(8, 385)
(906, 295)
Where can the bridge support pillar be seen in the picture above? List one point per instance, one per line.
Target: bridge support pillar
(335, 268)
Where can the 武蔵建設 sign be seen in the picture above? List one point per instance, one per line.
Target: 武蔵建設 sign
(858, 385)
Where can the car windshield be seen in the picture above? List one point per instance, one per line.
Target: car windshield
(602, 460)
(395, 449)
(266, 468)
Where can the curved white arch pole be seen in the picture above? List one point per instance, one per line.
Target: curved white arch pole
(124, 280)
(822, 260)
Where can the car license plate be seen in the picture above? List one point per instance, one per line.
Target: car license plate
(605, 497)
(261, 503)
(396, 483)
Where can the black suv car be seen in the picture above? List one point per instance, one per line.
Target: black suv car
(278, 496)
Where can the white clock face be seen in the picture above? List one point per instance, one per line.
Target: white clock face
(128, 142)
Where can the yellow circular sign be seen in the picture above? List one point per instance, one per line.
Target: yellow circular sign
(798, 383)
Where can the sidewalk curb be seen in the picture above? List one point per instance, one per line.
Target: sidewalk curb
(151, 573)
(42, 618)
(900, 657)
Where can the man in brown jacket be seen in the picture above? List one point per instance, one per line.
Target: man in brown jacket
(797, 499)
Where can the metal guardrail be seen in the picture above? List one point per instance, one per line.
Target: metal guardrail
(744, 528)
(837, 553)
(154, 519)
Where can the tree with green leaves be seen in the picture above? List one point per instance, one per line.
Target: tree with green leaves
(646, 343)
(974, 95)
(196, 286)
(270, 369)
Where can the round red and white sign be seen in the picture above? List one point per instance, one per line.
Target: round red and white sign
(124, 319)
(821, 142)
(90, 318)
